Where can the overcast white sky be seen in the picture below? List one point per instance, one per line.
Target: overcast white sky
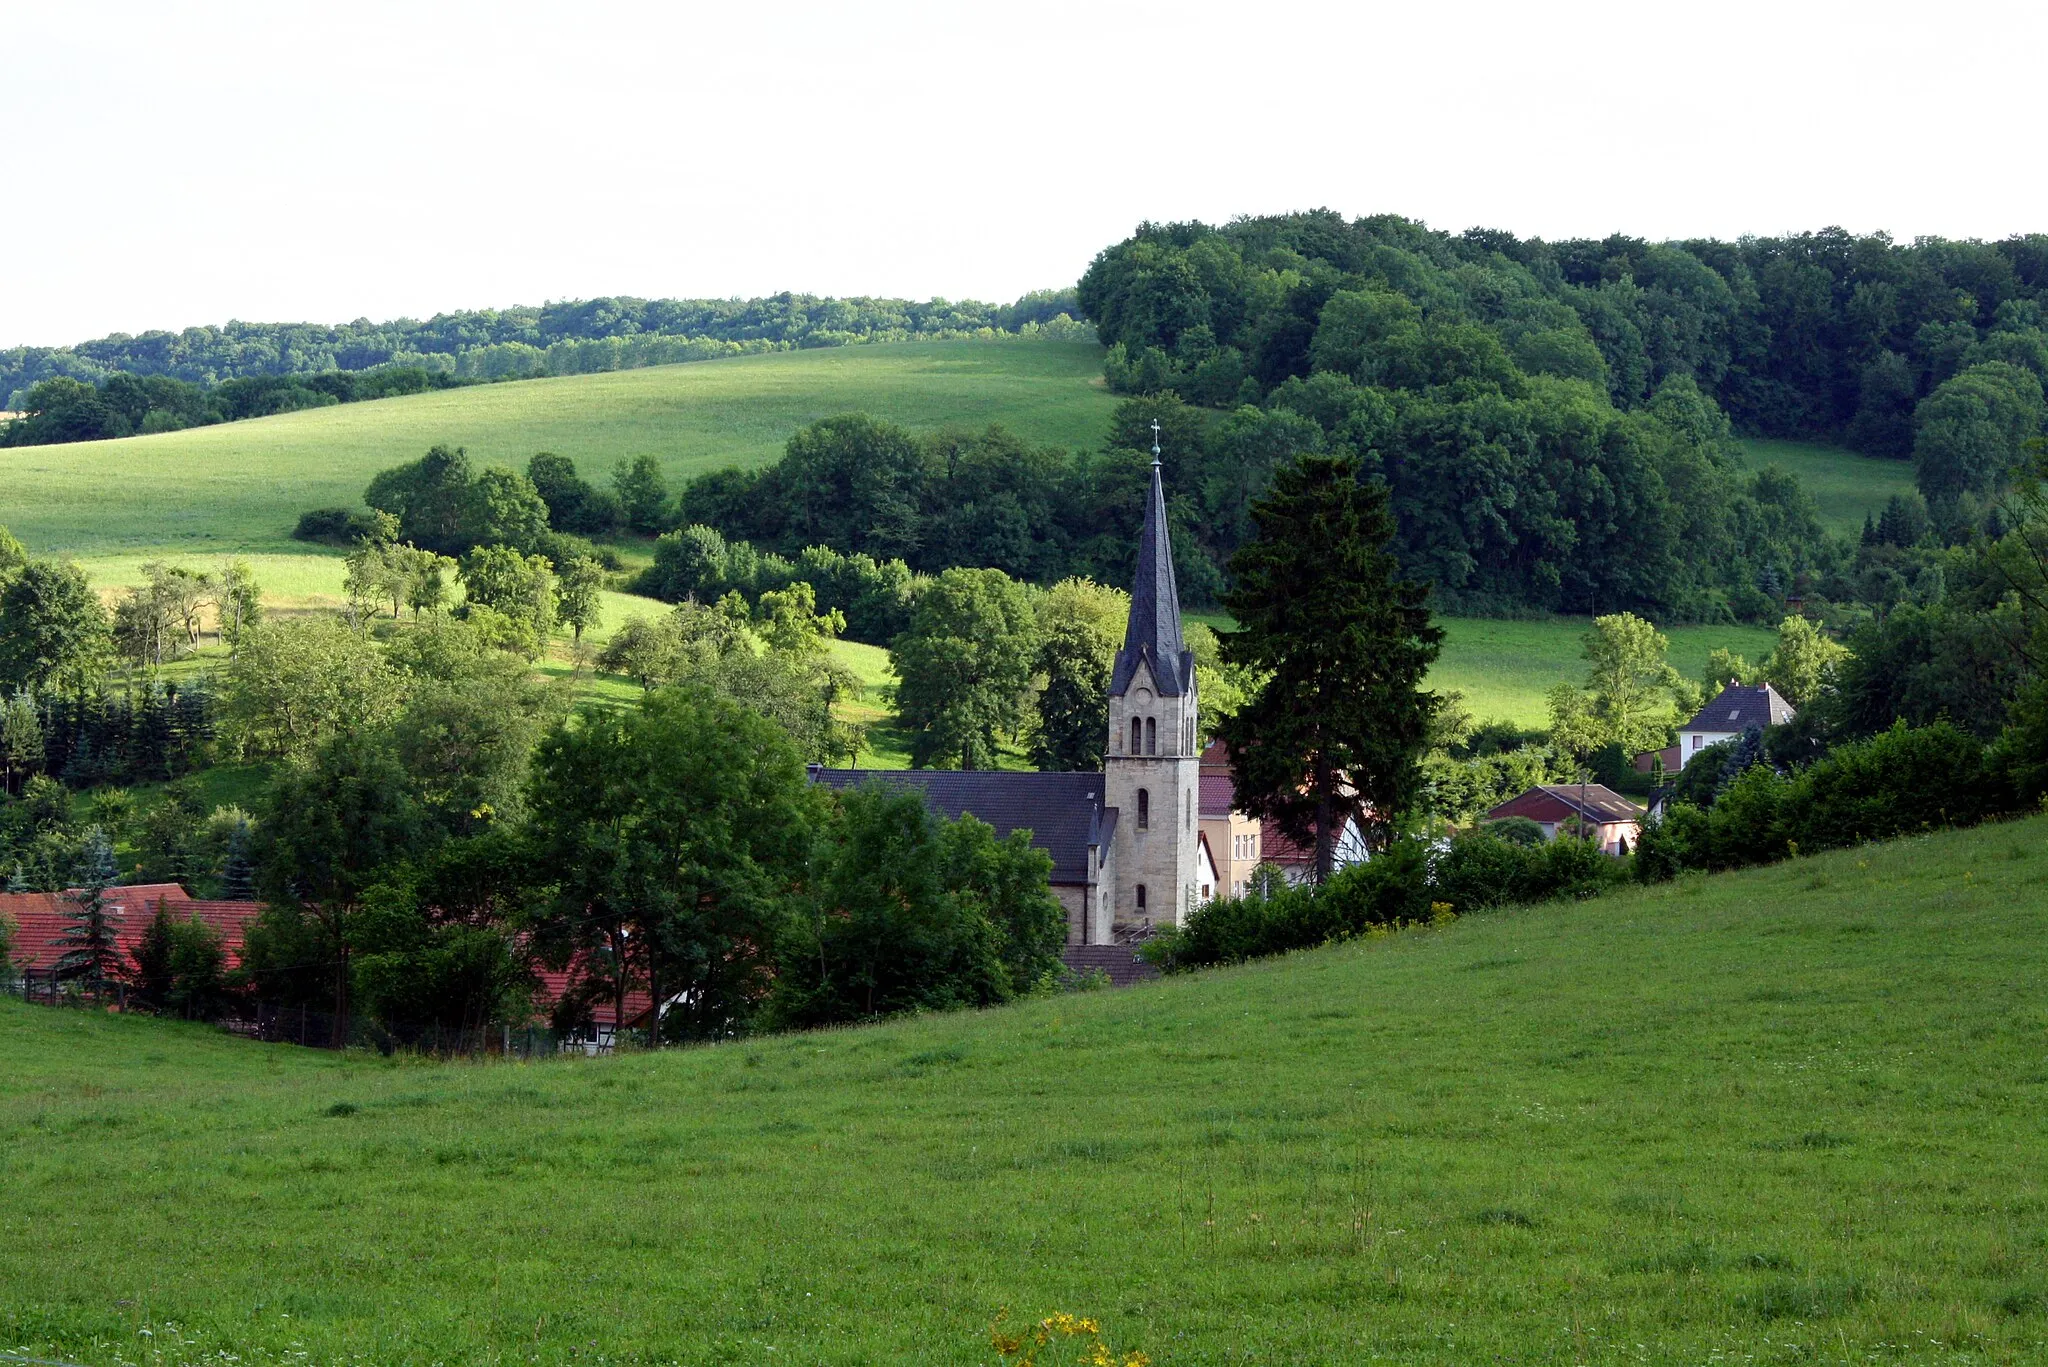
(172, 163)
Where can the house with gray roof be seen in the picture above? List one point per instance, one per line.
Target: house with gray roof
(1737, 708)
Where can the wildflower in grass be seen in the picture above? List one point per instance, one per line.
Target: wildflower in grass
(1082, 1336)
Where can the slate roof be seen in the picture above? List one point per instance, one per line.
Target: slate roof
(1740, 707)
(1591, 802)
(1063, 812)
(39, 918)
(1153, 634)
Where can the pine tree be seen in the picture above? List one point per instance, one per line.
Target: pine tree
(1337, 730)
(237, 874)
(1869, 530)
(90, 949)
(18, 880)
(1747, 754)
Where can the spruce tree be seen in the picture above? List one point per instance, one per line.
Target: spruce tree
(1747, 754)
(1337, 729)
(90, 949)
(18, 880)
(237, 874)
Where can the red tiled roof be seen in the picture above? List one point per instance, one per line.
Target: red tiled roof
(1276, 848)
(1219, 795)
(553, 986)
(1556, 801)
(41, 918)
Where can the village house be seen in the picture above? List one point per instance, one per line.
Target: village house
(1588, 811)
(41, 919)
(1734, 710)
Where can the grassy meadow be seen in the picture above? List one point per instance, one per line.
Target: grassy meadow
(241, 486)
(1787, 1116)
(1844, 485)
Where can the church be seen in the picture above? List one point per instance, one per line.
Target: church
(1132, 847)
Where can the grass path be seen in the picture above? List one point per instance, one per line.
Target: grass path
(1789, 1116)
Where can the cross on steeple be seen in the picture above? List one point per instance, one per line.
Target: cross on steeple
(1154, 633)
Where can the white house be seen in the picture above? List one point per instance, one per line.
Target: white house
(1738, 708)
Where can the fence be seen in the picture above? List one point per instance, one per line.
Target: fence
(315, 1029)
(44, 987)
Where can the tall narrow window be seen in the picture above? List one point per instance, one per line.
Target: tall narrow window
(1137, 737)
(1151, 735)
(1144, 809)
(1141, 897)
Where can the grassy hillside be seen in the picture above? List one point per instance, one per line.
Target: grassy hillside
(242, 485)
(1843, 484)
(1793, 1115)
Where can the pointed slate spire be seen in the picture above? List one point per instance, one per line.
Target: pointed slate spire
(1154, 631)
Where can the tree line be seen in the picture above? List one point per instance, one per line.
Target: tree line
(564, 338)
(64, 409)
(1474, 365)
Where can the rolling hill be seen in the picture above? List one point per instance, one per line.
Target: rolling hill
(241, 486)
(1792, 1115)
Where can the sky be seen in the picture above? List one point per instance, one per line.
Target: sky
(174, 164)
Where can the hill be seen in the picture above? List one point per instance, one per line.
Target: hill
(1843, 484)
(242, 485)
(1792, 1115)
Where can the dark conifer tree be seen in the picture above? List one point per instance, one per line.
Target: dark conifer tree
(237, 872)
(90, 949)
(1337, 729)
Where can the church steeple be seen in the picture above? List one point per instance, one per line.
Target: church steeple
(1153, 635)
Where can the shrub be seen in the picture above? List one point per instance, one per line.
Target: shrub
(335, 526)
(1905, 779)
(1678, 841)
(1749, 825)
(1484, 870)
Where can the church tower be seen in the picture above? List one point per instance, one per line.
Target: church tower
(1153, 763)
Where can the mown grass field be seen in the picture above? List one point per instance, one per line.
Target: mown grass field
(241, 486)
(1788, 1116)
(1844, 485)
(1505, 667)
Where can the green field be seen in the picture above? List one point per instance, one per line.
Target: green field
(242, 485)
(1844, 485)
(1788, 1116)
(1505, 667)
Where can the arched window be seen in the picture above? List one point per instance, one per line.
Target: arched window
(1151, 735)
(1137, 737)
(1144, 809)
(1141, 895)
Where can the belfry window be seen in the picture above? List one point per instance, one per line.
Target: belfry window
(1137, 736)
(1151, 735)
(1144, 809)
